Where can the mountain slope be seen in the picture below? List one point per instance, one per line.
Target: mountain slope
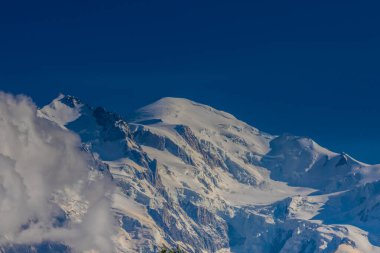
(191, 175)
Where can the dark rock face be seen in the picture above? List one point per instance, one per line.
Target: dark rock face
(71, 101)
(169, 218)
(113, 126)
(342, 161)
(214, 156)
(131, 225)
(199, 146)
(279, 240)
(146, 137)
(240, 173)
(105, 133)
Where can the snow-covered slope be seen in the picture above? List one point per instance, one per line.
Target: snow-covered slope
(194, 176)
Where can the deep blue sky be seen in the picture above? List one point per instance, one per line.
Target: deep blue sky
(303, 67)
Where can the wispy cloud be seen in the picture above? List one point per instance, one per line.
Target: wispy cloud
(48, 191)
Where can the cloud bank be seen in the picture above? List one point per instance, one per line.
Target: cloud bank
(48, 191)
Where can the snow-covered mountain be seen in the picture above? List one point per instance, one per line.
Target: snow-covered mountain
(191, 175)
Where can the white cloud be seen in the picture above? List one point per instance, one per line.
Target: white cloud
(42, 173)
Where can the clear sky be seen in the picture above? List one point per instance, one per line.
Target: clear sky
(302, 67)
